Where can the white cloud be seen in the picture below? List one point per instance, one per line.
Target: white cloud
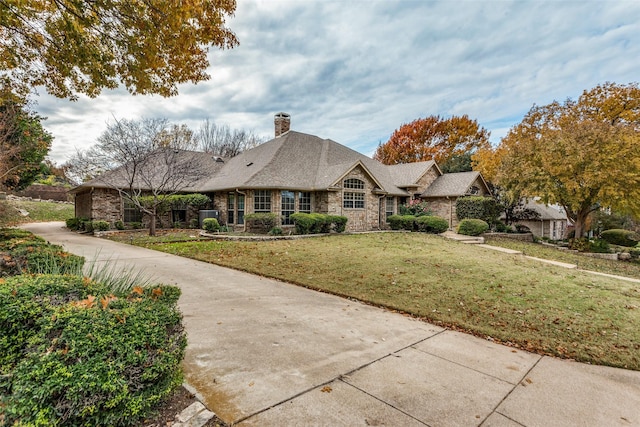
(354, 71)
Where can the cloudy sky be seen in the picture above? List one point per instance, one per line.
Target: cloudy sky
(355, 70)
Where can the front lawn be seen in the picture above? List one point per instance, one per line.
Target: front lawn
(528, 304)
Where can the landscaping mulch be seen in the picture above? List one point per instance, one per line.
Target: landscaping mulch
(176, 403)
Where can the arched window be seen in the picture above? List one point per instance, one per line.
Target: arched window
(353, 199)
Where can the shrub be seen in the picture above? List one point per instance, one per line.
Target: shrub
(415, 207)
(302, 221)
(477, 207)
(432, 224)
(339, 223)
(73, 223)
(621, 237)
(119, 225)
(408, 222)
(472, 227)
(100, 225)
(211, 225)
(260, 221)
(599, 246)
(74, 353)
(316, 223)
(135, 225)
(275, 231)
(194, 223)
(395, 222)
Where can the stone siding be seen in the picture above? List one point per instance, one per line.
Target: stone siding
(445, 208)
(106, 205)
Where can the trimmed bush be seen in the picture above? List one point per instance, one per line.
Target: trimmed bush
(262, 222)
(119, 225)
(73, 223)
(395, 222)
(339, 223)
(477, 207)
(431, 224)
(211, 225)
(317, 223)
(100, 225)
(620, 237)
(472, 227)
(408, 222)
(74, 353)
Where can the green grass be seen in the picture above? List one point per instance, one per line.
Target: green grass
(528, 304)
(38, 212)
(584, 262)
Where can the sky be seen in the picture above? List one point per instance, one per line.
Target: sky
(355, 70)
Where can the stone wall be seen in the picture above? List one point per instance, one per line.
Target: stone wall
(45, 192)
(445, 208)
(358, 219)
(106, 205)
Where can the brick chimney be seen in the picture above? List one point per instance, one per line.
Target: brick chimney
(282, 122)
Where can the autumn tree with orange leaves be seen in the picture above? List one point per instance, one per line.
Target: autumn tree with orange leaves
(580, 154)
(433, 138)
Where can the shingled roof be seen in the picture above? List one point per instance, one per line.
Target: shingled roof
(452, 184)
(298, 161)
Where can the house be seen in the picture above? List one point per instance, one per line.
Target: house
(445, 190)
(551, 223)
(298, 172)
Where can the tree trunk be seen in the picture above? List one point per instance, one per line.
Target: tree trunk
(581, 220)
(152, 223)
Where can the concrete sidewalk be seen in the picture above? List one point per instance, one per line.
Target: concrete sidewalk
(266, 353)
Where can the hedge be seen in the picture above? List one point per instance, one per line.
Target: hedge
(74, 353)
(317, 223)
(260, 221)
(477, 207)
(431, 224)
(620, 237)
(472, 227)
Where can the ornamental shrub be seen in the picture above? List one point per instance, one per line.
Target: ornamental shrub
(100, 225)
(431, 224)
(303, 222)
(408, 222)
(395, 222)
(119, 225)
(73, 223)
(339, 223)
(472, 227)
(620, 237)
(415, 207)
(262, 222)
(211, 225)
(275, 231)
(477, 207)
(74, 353)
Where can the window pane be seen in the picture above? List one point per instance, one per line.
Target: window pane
(390, 207)
(304, 202)
(262, 201)
(130, 212)
(230, 208)
(288, 204)
(240, 208)
(353, 201)
(354, 183)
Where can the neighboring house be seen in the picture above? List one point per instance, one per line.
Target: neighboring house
(296, 172)
(443, 193)
(552, 222)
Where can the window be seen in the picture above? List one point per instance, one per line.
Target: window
(240, 207)
(130, 212)
(474, 190)
(231, 207)
(304, 202)
(390, 206)
(354, 184)
(353, 201)
(262, 201)
(287, 206)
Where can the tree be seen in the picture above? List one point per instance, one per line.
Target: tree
(146, 169)
(457, 163)
(223, 141)
(580, 154)
(82, 46)
(433, 138)
(23, 143)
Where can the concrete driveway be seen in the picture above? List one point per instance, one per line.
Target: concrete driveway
(267, 353)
